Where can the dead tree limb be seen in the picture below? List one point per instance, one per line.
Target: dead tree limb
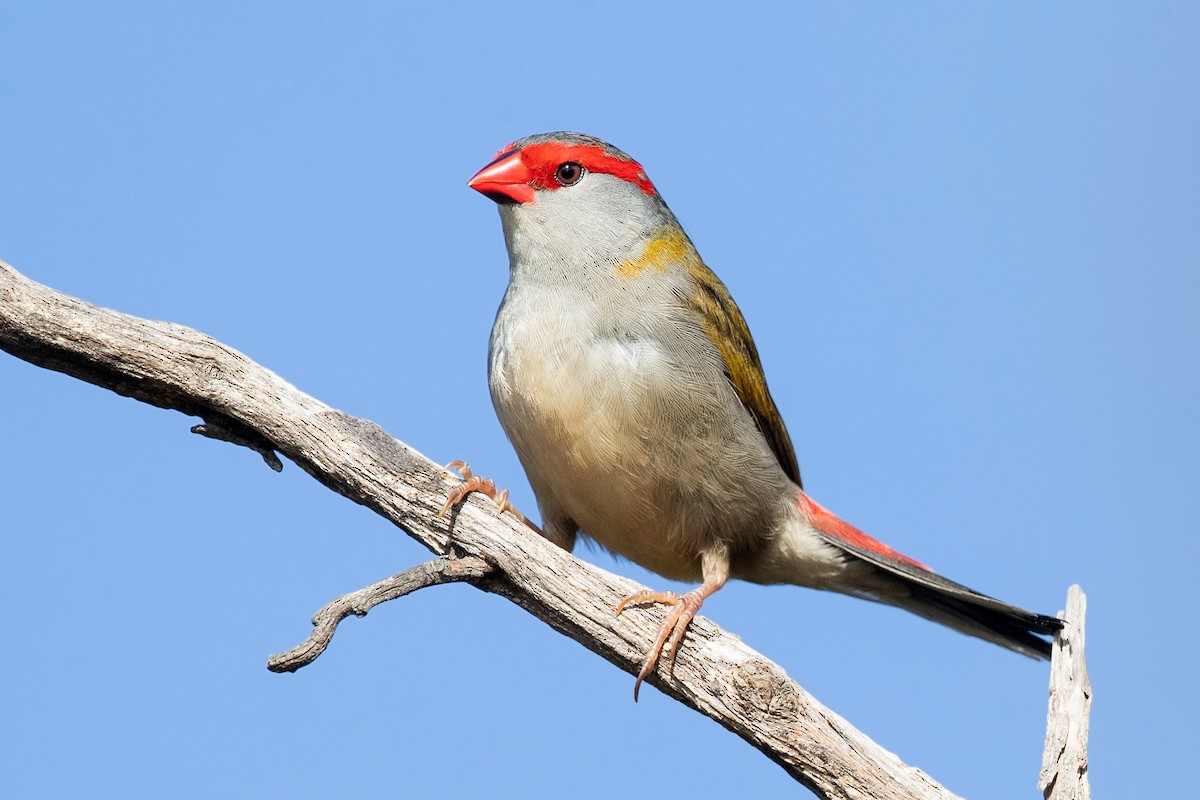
(1064, 764)
(174, 367)
(432, 573)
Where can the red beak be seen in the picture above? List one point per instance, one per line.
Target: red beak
(505, 180)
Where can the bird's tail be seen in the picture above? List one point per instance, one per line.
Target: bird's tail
(901, 581)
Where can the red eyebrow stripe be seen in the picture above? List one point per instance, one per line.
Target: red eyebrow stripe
(593, 157)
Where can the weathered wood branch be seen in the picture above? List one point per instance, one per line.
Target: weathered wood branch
(432, 573)
(1064, 763)
(175, 367)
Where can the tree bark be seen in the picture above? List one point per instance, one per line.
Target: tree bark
(175, 367)
(1064, 764)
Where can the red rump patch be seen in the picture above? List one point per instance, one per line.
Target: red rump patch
(543, 158)
(828, 523)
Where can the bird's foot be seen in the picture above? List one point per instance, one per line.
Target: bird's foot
(477, 483)
(683, 610)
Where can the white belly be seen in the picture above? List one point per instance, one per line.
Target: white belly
(651, 460)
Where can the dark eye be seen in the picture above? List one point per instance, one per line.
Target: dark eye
(568, 173)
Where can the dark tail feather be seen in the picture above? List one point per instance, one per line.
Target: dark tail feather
(921, 591)
(984, 617)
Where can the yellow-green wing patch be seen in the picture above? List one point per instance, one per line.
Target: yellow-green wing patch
(727, 329)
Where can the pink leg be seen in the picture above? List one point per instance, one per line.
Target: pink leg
(683, 610)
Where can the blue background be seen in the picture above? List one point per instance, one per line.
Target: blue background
(964, 235)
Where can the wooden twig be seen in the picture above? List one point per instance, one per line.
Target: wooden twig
(174, 367)
(431, 573)
(1064, 773)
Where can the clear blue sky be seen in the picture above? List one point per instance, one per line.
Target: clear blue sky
(967, 240)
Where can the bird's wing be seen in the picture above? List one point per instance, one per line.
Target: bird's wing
(727, 329)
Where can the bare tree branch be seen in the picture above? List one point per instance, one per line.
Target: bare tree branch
(325, 622)
(1064, 764)
(175, 367)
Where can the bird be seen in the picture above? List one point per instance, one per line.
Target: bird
(628, 382)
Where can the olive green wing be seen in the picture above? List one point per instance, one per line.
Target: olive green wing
(722, 320)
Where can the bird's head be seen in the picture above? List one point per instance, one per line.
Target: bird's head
(571, 196)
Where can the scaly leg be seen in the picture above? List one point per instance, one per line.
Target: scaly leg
(683, 610)
(485, 486)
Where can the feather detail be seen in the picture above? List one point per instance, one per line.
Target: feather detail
(726, 328)
(841, 531)
(911, 585)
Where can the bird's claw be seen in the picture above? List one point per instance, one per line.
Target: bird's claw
(683, 610)
(459, 469)
(475, 483)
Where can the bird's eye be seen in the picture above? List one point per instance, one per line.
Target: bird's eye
(568, 173)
